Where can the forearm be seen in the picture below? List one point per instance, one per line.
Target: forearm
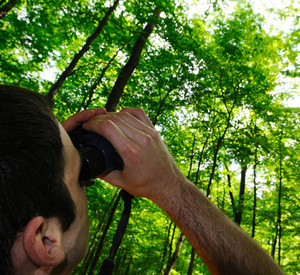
(150, 171)
(223, 246)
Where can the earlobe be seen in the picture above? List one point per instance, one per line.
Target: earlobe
(42, 242)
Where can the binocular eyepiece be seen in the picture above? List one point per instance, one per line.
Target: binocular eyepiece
(97, 153)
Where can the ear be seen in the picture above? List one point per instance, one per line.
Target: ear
(42, 242)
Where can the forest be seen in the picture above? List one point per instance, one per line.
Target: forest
(215, 78)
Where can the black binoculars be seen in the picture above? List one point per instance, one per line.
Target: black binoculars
(97, 153)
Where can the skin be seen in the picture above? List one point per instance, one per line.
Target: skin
(75, 240)
(149, 171)
(43, 248)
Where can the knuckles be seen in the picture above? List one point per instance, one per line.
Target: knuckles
(145, 140)
(131, 152)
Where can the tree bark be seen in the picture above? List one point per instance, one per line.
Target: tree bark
(165, 248)
(130, 66)
(91, 92)
(159, 109)
(7, 7)
(91, 251)
(191, 265)
(219, 143)
(278, 232)
(171, 242)
(55, 88)
(231, 194)
(240, 208)
(221, 138)
(254, 194)
(279, 203)
(174, 256)
(100, 245)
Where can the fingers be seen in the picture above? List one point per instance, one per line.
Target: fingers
(128, 120)
(121, 133)
(77, 119)
(147, 162)
(139, 114)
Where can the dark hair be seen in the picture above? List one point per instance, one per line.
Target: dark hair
(31, 167)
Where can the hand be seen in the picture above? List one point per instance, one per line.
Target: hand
(149, 169)
(76, 120)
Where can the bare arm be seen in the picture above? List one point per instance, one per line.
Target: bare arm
(151, 172)
(224, 247)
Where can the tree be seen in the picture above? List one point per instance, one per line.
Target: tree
(54, 89)
(211, 83)
(7, 7)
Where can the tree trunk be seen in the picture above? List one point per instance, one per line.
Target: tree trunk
(254, 194)
(278, 231)
(174, 257)
(55, 88)
(95, 259)
(200, 161)
(279, 203)
(230, 193)
(91, 92)
(171, 242)
(7, 7)
(159, 109)
(120, 261)
(165, 248)
(221, 138)
(240, 208)
(274, 241)
(128, 266)
(191, 265)
(88, 258)
(219, 143)
(130, 66)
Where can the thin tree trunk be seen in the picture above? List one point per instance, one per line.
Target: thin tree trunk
(120, 261)
(130, 66)
(231, 194)
(171, 242)
(238, 218)
(95, 259)
(274, 241)
(159, 109)
(219, 143)
(239, 207)
(165, 248)
(91, 92)
(200, 161)
(191, 265)
(128, 266)
(7, 7)
(254, 194)
(278, 229)
(221, 139)
(92, 247)
(279, 204)
(174, 256)
(55, 88)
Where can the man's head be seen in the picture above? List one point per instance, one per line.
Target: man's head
(39, 170)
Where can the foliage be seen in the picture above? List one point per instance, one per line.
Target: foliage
(214, 85)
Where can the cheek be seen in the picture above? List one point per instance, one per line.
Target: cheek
(79, 231)
(83, 220)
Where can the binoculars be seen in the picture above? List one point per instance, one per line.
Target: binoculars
(97, 154)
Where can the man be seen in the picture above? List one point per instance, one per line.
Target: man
(39, 170)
